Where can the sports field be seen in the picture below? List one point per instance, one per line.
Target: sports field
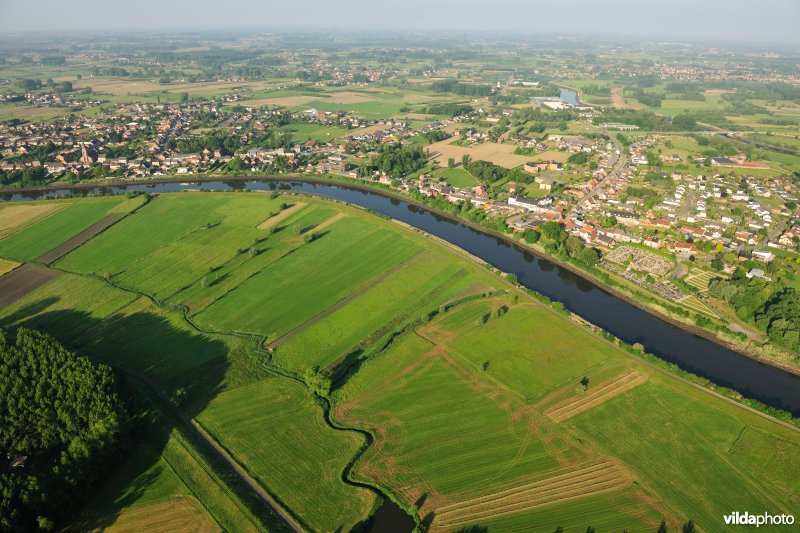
(487, 407)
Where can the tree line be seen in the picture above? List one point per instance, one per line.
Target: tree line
(62, 414)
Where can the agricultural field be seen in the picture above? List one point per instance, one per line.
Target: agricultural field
(298, 458)
(499, 154)
(45, 233)
(303, 132)
(487, 408)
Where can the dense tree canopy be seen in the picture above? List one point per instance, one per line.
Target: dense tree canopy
(781, 318)
(397, 160)
(60, 411)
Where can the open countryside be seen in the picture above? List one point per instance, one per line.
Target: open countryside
(430, 267)
(416, 373)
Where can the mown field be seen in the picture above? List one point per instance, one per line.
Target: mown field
(277, 430)
(487, 408)
(47, 232)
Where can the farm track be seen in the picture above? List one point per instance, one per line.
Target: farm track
(604, 391)
(580, 483)
(223, 454)
(73, 242)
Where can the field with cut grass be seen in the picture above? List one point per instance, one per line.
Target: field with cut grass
(499, 154)
(277, 430)
(487, 407)
(7, 266)
(48, 232)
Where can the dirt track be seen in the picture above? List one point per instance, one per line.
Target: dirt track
(73, 242)
(22, 281)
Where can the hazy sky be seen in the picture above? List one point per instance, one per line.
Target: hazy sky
(729, 20)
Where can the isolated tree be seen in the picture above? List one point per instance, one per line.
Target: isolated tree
(234, 165)
(688, 527)
(663, 527)
(465, 160)
(318, 381)
(451, 162)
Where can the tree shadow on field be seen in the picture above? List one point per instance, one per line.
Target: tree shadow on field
(346, 367)
(159, 365)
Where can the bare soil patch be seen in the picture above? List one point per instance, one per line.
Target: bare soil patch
(73, 242)
(280, 217)
(23, 280)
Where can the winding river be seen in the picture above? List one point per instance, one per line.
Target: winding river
(691, 352)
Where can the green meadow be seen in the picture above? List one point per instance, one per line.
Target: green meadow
(486, 407)
(52, 230)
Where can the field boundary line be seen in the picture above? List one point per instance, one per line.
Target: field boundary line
(283, 339)
(199, 431)
(34, 222)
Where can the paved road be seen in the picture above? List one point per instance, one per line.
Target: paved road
(619, 163)
(691, 197)
(230, 461)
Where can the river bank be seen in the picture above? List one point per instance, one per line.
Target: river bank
(691, 349)
(655, 309)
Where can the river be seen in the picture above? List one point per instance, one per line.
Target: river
(691, 352)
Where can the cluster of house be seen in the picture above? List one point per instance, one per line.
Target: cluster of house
(51, 99)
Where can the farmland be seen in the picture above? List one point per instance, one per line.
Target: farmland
(485, 406)
(46, 233)
(499, 154)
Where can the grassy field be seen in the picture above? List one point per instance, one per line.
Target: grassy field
(507, 347)
(302, 132)
(49, 232)
(456, 177)
(420, 286)
(277, 430)
(487, 408)
(362, 253)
